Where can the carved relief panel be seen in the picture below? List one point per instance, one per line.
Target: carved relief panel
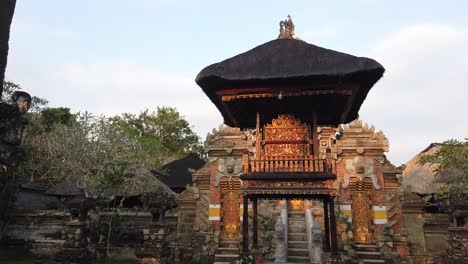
(230, 213)
(362, 209)
(286, 136)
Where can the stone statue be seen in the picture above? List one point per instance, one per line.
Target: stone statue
(286, 29)
(281, 243)
(22, 101)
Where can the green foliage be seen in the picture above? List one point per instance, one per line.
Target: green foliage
(451, 159)
(111, 177)
(118, 229)
(53, 116)
(59, 145)
(165, 127)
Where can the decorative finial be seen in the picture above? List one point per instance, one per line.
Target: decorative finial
(286, 29)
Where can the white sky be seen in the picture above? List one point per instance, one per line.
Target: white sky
(109, 57)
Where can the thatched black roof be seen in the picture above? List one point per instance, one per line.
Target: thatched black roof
(64, 188)
(176, 174)
(290, 65)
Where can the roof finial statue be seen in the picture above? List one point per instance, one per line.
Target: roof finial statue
(286, 29)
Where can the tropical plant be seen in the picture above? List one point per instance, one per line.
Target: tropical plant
(451, 160)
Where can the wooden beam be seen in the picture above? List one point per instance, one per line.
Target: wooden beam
(226, 109)
(245, 226)
(283, 88)
(326, 246)
(254, 224)
(334, 244)
(230, 97)
(258, 137)
(314, 135)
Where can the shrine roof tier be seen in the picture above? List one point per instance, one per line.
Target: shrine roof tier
(289, 76)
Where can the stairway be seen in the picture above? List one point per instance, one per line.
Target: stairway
(298, 249)
(227, 253)
(368, 253)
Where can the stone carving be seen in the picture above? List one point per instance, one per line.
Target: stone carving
(22, 101)
(281, 243)
(358, 134)
(286, 29)
(228, 167)
(226, 140)
(360, 168)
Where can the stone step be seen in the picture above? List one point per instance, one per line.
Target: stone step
(366, 246)
(372, 260)
(226, 257)
(298, 259)
(296, 229)
(229, 244)
(368, 254)
(296, 215)
(298, 244)
(300, 236)
(298, 252)
(296, 221)
(228, 250)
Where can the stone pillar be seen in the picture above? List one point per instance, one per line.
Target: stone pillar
(413, 216)
(245, 227)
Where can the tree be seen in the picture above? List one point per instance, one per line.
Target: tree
(166, 126)
(7, 9)
(451, 160)
(60, 145)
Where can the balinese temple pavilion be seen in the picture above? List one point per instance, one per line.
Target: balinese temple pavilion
(284, 104)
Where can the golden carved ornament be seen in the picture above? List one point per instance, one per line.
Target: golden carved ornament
(362, 210)
(286, 128)
(287, 184)
(297, 205)
(230, 191)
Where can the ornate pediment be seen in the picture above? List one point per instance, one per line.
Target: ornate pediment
(286, 135)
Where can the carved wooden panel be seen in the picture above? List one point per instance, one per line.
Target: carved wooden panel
(286, 136)
(230, 208)
(362, 209)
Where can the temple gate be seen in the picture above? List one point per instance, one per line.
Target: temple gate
(289, 98)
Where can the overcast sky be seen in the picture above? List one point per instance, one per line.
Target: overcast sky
(114, 56)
